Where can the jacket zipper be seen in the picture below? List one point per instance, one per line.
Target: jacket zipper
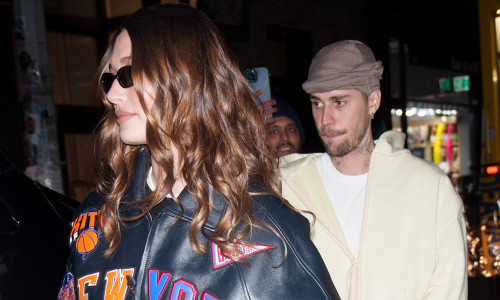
(357, 260)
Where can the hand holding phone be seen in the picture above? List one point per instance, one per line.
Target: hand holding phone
(258, 78)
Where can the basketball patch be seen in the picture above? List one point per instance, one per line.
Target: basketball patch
(67, 291)
(87, 241)
(85, 233)
(219, 260)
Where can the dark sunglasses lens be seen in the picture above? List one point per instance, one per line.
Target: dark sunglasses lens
(107, 81)
(125, 77)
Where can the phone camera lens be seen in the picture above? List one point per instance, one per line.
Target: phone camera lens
(250, 75)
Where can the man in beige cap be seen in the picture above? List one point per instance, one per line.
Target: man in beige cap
(388, 225)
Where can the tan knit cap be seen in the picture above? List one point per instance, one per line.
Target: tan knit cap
(344, 65)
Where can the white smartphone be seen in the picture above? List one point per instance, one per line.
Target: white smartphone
(258, 78)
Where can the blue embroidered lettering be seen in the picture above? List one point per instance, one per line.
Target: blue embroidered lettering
(157, 283)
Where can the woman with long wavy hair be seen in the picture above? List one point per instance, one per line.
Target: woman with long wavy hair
(185, 203)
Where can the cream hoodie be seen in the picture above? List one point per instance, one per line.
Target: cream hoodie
(413, 240)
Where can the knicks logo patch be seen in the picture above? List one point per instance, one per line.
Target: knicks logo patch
(85, 233)
(86, 241)
(219, 260)
(67, 291)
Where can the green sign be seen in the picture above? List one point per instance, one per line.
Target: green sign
(461, 83)
(444, 85)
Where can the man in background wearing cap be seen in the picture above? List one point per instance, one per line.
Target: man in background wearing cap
(388, 225)
(285, 134)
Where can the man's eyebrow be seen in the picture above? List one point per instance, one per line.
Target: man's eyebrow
(331, 98)
(338, 97)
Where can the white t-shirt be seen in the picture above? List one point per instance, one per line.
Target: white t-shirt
(149, 180)
(347, 195)
(151, 184)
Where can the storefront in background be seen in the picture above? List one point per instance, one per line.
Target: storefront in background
(434, 107)
(433, 134)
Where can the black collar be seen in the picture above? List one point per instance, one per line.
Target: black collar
(138, 189)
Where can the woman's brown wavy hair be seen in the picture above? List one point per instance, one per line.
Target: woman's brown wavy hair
(204, 107)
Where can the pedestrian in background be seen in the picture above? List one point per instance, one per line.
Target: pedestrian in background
(285, 134)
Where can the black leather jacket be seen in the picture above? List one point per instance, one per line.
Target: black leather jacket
(156, 261)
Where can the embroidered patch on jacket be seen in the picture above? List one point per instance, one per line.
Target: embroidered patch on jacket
(180, 289)
(85, 233)
(67, 291)
(219, 260)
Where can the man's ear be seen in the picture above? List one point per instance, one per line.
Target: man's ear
(374, 101)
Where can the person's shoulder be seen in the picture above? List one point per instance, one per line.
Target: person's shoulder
(267, 203)
(277, 213)
(391, 145)
(292, 162)
(92, 201)
(297, 158)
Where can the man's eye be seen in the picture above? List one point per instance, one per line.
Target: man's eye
(317, 104)
(340, 103)
(273, 131)
(292, 129)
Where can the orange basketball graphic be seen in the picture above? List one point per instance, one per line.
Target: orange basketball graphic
(87, 241)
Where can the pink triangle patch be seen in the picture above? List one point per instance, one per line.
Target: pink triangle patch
(219, 260)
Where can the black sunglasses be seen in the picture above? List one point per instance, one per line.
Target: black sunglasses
(124, 76)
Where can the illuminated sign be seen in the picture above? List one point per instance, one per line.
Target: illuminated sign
(461, 83)
(454, 84)
(492, 170)
(444, 85)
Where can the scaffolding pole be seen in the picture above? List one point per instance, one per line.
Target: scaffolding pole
(43, 164)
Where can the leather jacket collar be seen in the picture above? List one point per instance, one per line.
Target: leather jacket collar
(138, 190)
